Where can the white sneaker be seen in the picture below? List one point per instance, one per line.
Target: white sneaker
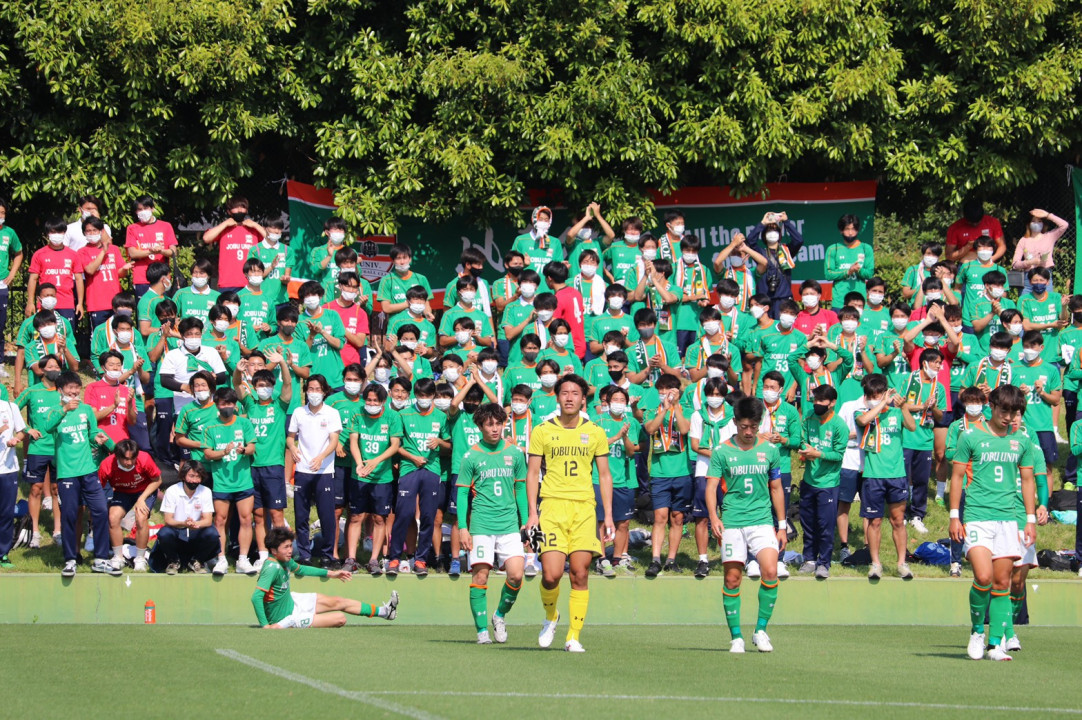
(105, 566)
(1059, 438)
(289, 490)
(918, 525)
(404, 567)
(221, 567)
(530, 570)
(1012, 645)
(574, 646)
(736, 645)
(392, 606)
(141, 564)
(69, 569)
(975, 649)
(783, 570)
(956, 569)
(35, 541)
(244, 566)
(499, 628)
(753, 569)
(875, 571)
(548, 632)
(483, 638)
(257, 566)
(762, 641)
(117, 563)
(998, 654)
(47, 504)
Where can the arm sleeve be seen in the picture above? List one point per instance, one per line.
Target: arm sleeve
(257, 604)
(307, 571)
(830, 267)
(170, 382)
(463, 502)
(838, 443)
(867, 270)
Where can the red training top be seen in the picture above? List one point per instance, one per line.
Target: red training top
(132, 481)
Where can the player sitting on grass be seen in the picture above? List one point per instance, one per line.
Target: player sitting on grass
(492, 496)
(999, 461)
(749, 469)
(278, 608)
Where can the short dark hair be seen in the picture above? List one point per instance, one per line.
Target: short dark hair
(489, 411)
(1009, 398)
(749, 408)
(225, 395)
(556, 272)
(574, 380)
(156, 271)
(277, 536)
(826, 393)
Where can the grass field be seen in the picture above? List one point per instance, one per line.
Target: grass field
(373, 669)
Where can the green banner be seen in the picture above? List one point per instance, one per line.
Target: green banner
(1076, 181)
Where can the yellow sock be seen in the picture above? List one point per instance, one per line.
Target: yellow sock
(548, 600)
(577, 604)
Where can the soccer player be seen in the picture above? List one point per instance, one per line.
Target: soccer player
(671, 487)
(277, 608)
(999, 462)
(492, 499)
(568, 445)
(135, 480)
(228, 446)
(749, 471)
(825, 438)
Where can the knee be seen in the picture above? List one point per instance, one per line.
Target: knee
(35, 490)
(579, 577)
(339, 619)
(661, 516)
(677, 519)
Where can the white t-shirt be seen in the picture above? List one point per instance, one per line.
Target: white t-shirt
(176, 501)
(702, 463)
(73, 236)
(12, 422)
(313, 430)
(854, 456)
(175, 363)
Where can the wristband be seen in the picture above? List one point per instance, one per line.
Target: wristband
(782, 525)
(1031, 519)
(954, 515)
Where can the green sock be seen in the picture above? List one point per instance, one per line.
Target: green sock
(730, 600)
(479, 606)
(1016, 605)
(372, 610)
(978, 605)
(507, 598)
(999, 615)
(768, 596)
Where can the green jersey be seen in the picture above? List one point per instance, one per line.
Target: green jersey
(543, 405)
(898, 371)
(918, 390)
(276, 603)
(73, 432)
(996, 463)
(327, 276)
(568, 361)
(690, 280)
(496, 478)
(426, 329)
(830, 436)
(393, 287)
(519, 374)
(1038, 417)
(874, 322)
(1040, 475)
(954, 432)
(914, 277)
(38, 348)
(1070, 341)
(464, 434)
(374, 433)
(840, 258)
(10, 245)
(171, 343)
(778, 349)
(970, 279)
(347, 407)
(191, 422)
(147, 306)
(418, 427)
(784, 419)
(968, 352)
(27, 334)
(256, 309)
(581, 246)
(193, 303)
(981, 307)
(669, 458)
(619, 258)
(233, 472)
(269, 421)
(608, 321)
(640, 354)
(621, 465)
(272, 281)
(326, 360)
(482, 322)
(745, 478)
(1046, 310)
(514, 315)
(302, 357)
(881, 441)
(232, 348)
(518, 429)
(808, 379)
(39, 402)
(539, 252)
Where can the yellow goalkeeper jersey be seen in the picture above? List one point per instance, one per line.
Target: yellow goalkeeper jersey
(569, 458)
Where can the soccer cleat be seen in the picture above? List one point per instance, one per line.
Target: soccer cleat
(332, 564)
(548, 632)
(244, 566)
(875, 571)
(351, 565)
(574, 646)
(654, 569)
(671, 566)
(221, 567)
(392, 568)
(35, 541)
(391, 606)
(846, 552)
(998, 654)
(975, 649)
(904, 572)
(105, 566)
(753, 570)
(456, 568)
(702, 569)
(807, 568)
(762, 641)
(420, 568)
(783, 570)
(69, 569)
(483, 638)
(173, 568)
(956, 569)
(918, 525)
(822, 572)
(141, 564)
(530, 570)
(499, 628)
(6, 564)
(373, 568)
(605, 568)
(736, 645)
(1012, 645)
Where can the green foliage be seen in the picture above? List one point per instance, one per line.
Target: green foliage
(898, 241)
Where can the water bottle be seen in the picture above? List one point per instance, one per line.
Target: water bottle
(150, 616)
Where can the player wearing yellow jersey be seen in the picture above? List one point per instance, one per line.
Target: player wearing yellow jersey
(568, 446)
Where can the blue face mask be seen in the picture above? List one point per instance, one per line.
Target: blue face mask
(1040, 289)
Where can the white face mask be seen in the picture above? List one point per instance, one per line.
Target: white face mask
(814, 362)
(770, 396)
(315, 399)
(931, 340)
(631, 239)
(811, 301)
(123, 337)
(849, 325)
(542, 227)
(610, 349)
(984, 255)
(616, 303)
(726, 302)
(957, 328)
(145, 216)
(201, 396)
(192, 344)
(875, 298)
(712, 372)
(451, 374)
(352, 387)
(649, 253)
(93, 239)
(930, 260)
(736, 261)
(56, 239)
(348, 295)
(997, 292)
(403, 266)
(586, 233)
(273, 238)
(113, 374)
(417, 308)
(933, 295)
(548, 380)
(1030, 354)
(488, 367)
(772, 236)
(399, 404)
(757, 311)
(1016, 329)
(311, 302)
(65, 399)
(221, 326)
(1036, 227)
(561, 340)
(337, 237)
(899, 323)
(382, 374)
(48, 332)
(527, 290)
(518, 408)
(691, 258)
(974, 410)
(233, 310)
(588, 270)
(711, 327)
(462, 336)
(257, 280)
(997, 354)
(678, 229)
(264, 393)
(48, 302)
(411, 344)
(715, 401)
(786, 320)
(544, 315)
(199, 281)
(442, 403)
(373, 409)
(423, 403)
(468, 296)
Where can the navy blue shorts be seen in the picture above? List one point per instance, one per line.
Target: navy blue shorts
(448, 497)
(599, 509)
(849, 486)
(1047, 440)
(233, 497)
(270, 487)
(877, 493)
(128, 500)
(671, 493)
(623, 504)
(698, 504)
(36, 465)
(366, 497)
(948, 415)
(340, 475)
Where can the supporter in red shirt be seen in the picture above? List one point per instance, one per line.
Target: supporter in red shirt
(938, 334)
(814, 314)
(235, 236)
(111, 398)
(569, 305)
(59, 265)
(103, 266)
(354, 318)
(973, 223)
(148, 240)
(135, 479)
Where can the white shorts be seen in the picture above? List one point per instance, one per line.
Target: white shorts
(998, 536)
(304, 611)
(487, 547)
(1029, 553)
(738, 543)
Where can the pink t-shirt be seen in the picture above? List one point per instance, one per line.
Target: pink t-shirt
(570, 308)
(806, 322)
(144, 237)
(355, 320)
(58, 267)
(100, 394)
(233, 246)
(1039, 247)
(103, 285)
(135, 480)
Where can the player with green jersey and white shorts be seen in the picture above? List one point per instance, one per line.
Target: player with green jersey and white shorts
(1000, 463)
(492, 512)
(278, 608)
(749, 472)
